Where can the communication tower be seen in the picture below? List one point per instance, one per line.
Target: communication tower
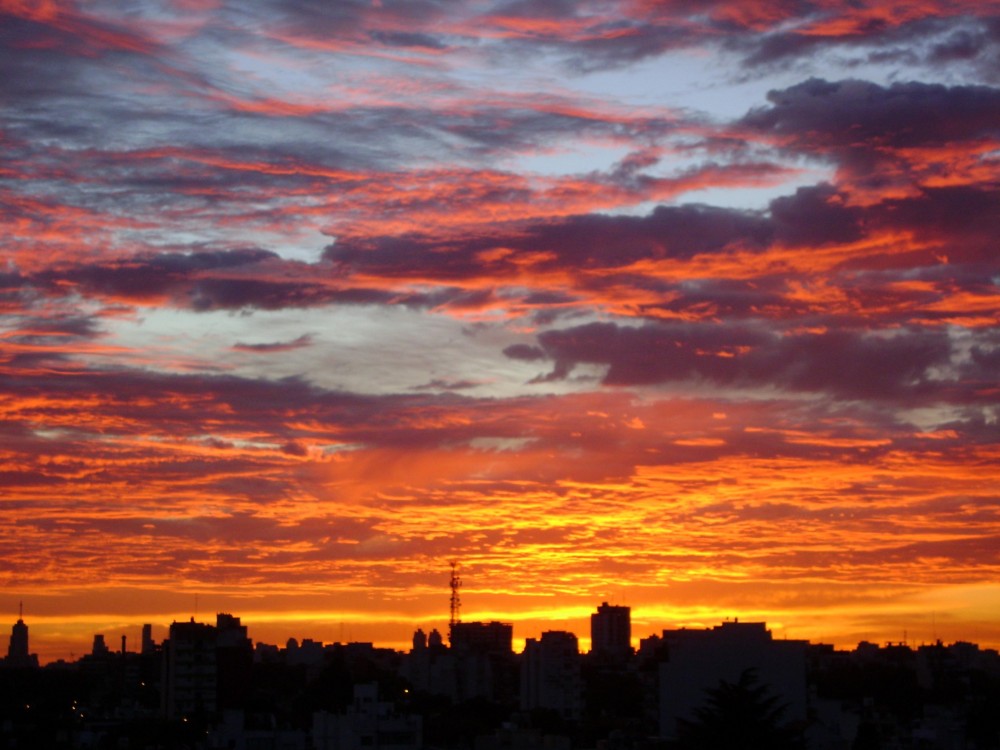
(456, 602)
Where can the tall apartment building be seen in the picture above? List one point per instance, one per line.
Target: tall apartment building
(611, 633)
(206, 668)
(189, 670)
(550, 674)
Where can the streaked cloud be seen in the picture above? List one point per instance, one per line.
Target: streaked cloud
(300, 301)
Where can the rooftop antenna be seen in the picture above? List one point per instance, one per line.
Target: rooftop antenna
(456, 603)
(20, 610)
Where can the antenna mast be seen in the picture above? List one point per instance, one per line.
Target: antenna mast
(456, 602)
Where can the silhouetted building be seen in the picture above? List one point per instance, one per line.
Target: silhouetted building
(430, 666)
(484, 660)
(611, 633)
(419, 640)
(100, 649)
(233, 661)
(479, 664)
(17, 649)
(550, 674)
(492, 638)
(206, 668)
(148, 646)
(435, 639)
(189, 670)
(699, 660)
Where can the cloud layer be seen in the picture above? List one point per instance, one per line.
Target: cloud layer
(689, 304)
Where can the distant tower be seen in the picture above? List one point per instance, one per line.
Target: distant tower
(456, 602)
(419, 640)
(17, 649)
(148, 646)
(434, 640)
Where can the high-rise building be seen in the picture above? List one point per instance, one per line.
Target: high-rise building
(189, 670)
(17, 650)
(550, 674)
(435, 640)
(483, 657)
(611, 632)
(206, 668)
(419, 640)
(148, 646)
(233, 661)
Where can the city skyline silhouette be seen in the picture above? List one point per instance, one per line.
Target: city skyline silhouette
(691, 307)
(442, 626)
(732, 685)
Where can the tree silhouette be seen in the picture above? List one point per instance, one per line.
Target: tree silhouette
(739, 715)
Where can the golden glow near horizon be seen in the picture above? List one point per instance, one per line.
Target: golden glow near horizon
(298, 304)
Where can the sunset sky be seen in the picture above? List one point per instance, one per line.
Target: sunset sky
(685, 305)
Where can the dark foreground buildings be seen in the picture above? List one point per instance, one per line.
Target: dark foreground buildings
(700, 660)
(729, 686)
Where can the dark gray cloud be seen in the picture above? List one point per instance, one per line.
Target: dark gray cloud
(439, 384)
(301, 342)
(583, 242)
(525, 352)
(202, 281)
(847, 364)
(966, 43)
(815, 216)
(880, 135)
(964, 220)
(958, 223)
(34, 330)
(408, 39)
(764, 37)
(839, 114)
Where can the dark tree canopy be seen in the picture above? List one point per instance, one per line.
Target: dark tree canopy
(741, 715)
